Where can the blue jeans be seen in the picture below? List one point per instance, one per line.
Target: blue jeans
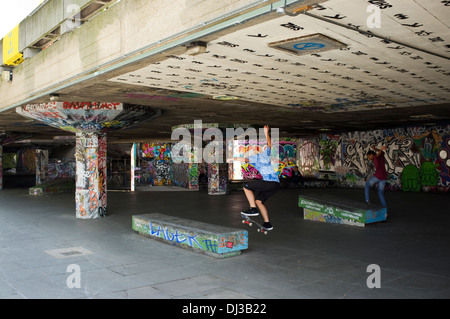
(370, 182)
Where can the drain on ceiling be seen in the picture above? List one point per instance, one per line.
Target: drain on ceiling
(308, 44)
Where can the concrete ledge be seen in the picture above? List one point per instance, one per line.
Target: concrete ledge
(340, 210)
(54, 186)
(214, 240)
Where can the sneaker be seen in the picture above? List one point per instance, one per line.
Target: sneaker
(268, 226)
(251, 212)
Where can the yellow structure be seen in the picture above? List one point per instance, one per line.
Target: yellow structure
(11, 54)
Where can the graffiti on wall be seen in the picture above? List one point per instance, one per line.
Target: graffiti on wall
(417, 158)
(156, 151)
(58, 168)
(162, 173)
(284, 156)
(180, 174)
(156, 164)
(308, 154)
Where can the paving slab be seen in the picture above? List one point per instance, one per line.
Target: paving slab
(298, 259)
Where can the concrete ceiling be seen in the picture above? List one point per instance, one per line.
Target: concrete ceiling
(390, 76)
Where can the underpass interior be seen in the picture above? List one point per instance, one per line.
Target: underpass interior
(334, 77)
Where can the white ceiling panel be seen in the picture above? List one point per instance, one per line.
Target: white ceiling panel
(370, 72)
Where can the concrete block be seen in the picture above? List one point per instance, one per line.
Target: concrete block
(53, 186)
(214, 240)
(339, 210)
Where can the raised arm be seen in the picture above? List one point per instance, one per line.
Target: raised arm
(266, 132)
(379, 150)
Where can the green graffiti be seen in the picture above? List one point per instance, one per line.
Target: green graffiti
(327, 152)
(429, 176)
(410, 179)
(413, 179)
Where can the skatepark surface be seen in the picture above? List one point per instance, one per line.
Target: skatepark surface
(40, 237)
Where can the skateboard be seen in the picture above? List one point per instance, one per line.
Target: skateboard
(247, 220)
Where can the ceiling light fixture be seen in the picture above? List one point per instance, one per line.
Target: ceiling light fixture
(54, 97)
(196, 48)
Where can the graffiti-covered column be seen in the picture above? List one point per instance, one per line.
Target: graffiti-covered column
(217, 179)
(215, 155)
(41, 166)
(217, 169)
(90, 194)
(90, 121)
(1, 167)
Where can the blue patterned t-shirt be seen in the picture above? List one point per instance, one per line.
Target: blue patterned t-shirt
(264, 166)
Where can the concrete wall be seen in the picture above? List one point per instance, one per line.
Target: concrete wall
(417, 158)
(126, 27)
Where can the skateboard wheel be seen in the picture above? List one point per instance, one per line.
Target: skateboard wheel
(265, 233)
(259, 230)
(250, 224)
(243, 221)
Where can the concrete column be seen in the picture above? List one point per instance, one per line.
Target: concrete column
(1, 167)
(218, 179)
(41, 166)
(217, 169)
(90, 195)
(90, 121)
(193, 176)
(133, 166)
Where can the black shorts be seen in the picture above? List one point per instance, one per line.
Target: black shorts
(265, 188)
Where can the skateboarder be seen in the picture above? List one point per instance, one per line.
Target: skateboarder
(266, 187)
(380, 176)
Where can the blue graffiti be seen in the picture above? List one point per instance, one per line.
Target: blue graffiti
(177, 237)
(308, 46)
(211, 245)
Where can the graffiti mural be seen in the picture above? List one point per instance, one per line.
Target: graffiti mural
(162, 173)
(180, 174)
(417, 158)
(410, 179)
(284, 156)
(155, 164)
(156, 151)
(308, 154)
(185, 175)
(88, 117)
(58, 168)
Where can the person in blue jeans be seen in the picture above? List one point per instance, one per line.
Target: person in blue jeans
(380, 176)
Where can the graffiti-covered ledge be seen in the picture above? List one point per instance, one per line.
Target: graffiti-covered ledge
(88, 117)
(91, 121)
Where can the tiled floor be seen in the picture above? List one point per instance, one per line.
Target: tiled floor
(298, 259)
